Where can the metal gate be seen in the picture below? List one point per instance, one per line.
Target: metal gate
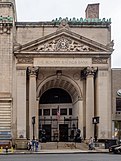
(58, 129)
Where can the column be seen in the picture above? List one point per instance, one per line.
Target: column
(21, 104)
(90, 72)
(80, 116)
(32, 71)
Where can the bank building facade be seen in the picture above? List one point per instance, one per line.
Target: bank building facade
(55, 75)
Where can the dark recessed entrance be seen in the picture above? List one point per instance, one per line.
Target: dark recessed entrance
(63, 132)
(57, 129)
(55, 95)
(47, 129)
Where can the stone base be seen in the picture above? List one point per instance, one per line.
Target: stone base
(21, 144)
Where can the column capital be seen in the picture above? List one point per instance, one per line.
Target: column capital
(33, 71)
(88, 71)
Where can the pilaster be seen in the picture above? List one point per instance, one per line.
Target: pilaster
(21, 104)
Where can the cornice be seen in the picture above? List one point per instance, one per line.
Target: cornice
(68, 54)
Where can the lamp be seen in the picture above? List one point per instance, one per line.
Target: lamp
(95, 121)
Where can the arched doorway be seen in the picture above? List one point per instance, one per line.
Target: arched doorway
(55, 107)
(58, 96)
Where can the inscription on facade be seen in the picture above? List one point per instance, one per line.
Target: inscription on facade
(62, 62)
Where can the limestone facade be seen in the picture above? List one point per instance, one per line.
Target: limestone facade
(60, 54)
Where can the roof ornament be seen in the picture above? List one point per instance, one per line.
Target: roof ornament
(64, 24)
(110, 45)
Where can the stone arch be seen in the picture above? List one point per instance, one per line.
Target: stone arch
(65, 83)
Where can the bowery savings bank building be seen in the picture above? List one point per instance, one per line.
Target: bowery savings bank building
(56, 76)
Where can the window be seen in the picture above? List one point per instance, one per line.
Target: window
(63, 111)
(70, 111)
(54, 111)
(55, 95)
(46, 112)
(40, 112)
(118, 104)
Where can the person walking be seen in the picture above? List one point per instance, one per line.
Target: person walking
(36, 145)
(91, 144)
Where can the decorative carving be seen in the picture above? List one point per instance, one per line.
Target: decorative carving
(25, 60)
(110, 45)
(40, 76)
(63, 44)
(88, 71)
(6, 24)
(5, 28)
(63, 24)
(33, 70)
(76, 76)
(99, 60)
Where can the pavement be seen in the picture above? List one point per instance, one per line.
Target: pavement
(62, 151)
(59, 149)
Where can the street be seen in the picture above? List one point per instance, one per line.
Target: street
(61, 157)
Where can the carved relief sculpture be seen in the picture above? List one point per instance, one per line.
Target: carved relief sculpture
(63, 44)
(33, 70)
(88, 71)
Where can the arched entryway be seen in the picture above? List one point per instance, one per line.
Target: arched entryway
(59, 106)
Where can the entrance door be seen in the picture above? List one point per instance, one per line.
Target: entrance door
(63, 132)
(47, 129)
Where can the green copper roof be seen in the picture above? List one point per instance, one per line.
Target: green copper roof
(10, 19)
(79, 21)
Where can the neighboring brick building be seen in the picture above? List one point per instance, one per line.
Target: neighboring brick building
(59, 67)
(116, 103)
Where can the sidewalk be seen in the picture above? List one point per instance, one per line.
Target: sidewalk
(56, 151)
(58, 148)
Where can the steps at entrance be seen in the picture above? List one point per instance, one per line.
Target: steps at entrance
(63, 145)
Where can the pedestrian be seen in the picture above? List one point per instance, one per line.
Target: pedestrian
(33, 145)
(29, 145)
(91, 147)
(36, 145)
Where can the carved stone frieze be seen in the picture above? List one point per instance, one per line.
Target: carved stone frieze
(63, 44)
(25, 60)
(99, 61)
